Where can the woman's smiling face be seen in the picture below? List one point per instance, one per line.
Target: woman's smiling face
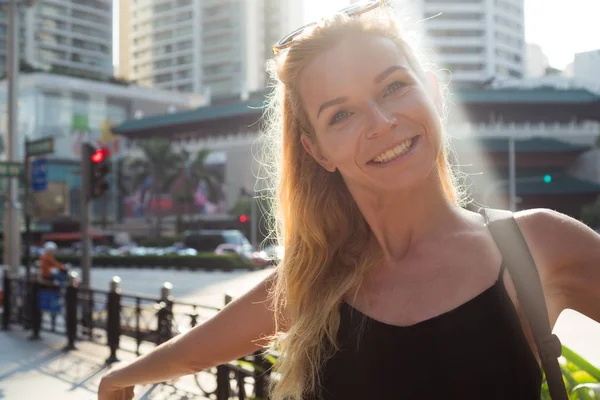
(373, 116)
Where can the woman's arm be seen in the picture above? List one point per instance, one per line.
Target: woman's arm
(237, 330)
(567, 254)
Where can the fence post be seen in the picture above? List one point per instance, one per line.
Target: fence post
(71, 311)
(7, 300)
(261, 375)
(223, 387)
(113, 319)
(35, 311)
(165, 313)
(223, 384)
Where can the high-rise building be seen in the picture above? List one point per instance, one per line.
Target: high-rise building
(586, 66)
(476, 40)
(72, 36)
(537, 61)
(218, 47)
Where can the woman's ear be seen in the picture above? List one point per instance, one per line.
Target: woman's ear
(313, 149)
(433, 84)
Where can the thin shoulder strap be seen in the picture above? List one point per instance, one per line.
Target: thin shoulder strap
(523, 271)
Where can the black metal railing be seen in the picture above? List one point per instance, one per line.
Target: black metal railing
(126, 322)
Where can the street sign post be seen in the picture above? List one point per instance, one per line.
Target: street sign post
(39, 178)
(35, 179)
(11, 169)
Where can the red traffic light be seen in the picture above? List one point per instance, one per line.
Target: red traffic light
(99, 155)
(244, 218)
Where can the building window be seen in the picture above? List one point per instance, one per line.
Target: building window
(187, 30)
(452, 1)
(163, 64)
(454, 16)
(163, 22)
(52, 9)
(51, 38)
(53, 24)
(47, 54)
(161, 78)
(507, 22)
(96, 4)
(88, 17)
(184, 74)
(162, 36)
(455, 33)
(460, 50)
(187, 44)
(464, 67)
(508, 40)
(182, 60)
(183, 17)
(162, 7)
(508, 56)
(185, 88)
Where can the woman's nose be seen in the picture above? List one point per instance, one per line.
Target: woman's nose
(381, 121)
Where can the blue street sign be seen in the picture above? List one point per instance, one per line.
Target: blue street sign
(39, 178)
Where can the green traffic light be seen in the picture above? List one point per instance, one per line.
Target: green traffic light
(547, 178)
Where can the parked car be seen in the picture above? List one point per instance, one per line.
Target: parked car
(207, 240)
(224, 241)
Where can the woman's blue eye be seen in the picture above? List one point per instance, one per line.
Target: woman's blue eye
(339, 116)
(393, 87)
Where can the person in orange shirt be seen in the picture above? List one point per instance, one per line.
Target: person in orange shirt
(47, 261)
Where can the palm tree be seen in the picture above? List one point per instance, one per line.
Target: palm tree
(197, 171)
(159, 167)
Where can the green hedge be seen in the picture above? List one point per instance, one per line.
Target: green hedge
(205, 262)
(158, 242)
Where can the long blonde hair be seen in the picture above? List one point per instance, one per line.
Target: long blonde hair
(328, 244)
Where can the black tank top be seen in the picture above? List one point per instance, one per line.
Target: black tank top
(475, 351)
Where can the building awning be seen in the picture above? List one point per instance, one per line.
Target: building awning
(199, 115)
(561, 184)
(532, 145)
(543, 95)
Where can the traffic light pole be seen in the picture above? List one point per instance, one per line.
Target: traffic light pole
(86, 260)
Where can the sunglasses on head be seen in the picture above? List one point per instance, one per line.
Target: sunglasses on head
(352, 11)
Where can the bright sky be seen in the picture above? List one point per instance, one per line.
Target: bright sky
(560, 27)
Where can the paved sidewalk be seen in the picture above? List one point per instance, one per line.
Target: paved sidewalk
(42, 370)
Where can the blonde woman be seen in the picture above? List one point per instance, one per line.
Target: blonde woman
(388, 288)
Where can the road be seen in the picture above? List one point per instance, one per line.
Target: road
(207, 288)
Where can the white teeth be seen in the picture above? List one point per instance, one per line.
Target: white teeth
(393, 153)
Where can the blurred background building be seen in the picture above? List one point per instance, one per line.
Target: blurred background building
(73, 36)
(477, 41)
(217, 47)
